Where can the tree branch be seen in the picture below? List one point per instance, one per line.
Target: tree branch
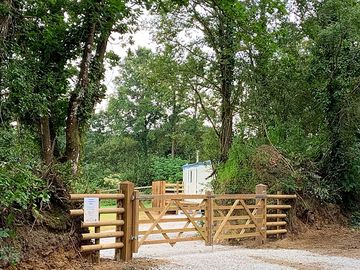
(205, 111)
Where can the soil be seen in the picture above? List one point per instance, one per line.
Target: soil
(44, 250)
(330, 240)
(297, 266)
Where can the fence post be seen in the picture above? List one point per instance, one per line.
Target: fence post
(177, 187)
(158, 188)
(176, 192)
(261, 212)
(119, 216)
(155, 191)
(127, 188)
(162, 192)
(135, 233)
(278, 211)
(97, 230)
(209, 214)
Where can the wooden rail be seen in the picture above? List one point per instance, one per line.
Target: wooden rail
(144, 187)
(80, 212)
(123, 222)
(98, 247)
(171, 197)
(100, 196)
(88, 236)
(102, 223)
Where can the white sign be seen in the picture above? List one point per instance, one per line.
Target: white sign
(91, 209)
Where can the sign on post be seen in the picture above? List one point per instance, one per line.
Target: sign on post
(91, 209)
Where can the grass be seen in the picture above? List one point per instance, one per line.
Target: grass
(112, 216)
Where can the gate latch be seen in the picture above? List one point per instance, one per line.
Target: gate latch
(134, 237)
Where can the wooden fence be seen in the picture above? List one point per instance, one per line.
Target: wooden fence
(162, 188)
(213, 218)
(123, 222)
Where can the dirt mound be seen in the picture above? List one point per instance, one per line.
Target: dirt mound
(270, 166)
(41, 249)
(333, 240)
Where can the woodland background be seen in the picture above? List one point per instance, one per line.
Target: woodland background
(268, 90)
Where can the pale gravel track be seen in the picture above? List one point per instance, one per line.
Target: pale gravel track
(195, 255)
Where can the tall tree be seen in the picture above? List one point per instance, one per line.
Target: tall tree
(222, 41)
(335, 33)
(152, 94)
(53, 36)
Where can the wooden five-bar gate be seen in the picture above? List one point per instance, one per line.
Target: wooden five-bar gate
(211, 218)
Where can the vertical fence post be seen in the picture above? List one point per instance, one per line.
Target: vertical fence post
(155, 191)
(177, 187)
(135, 222)
(127, 188)
(158, 188)
(119, 216)
(278, 211)
(162, 192)
(209, 214)
(97, 230)
(261, 212)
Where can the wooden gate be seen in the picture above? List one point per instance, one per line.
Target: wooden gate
(140, 220)
(154, 221)
(210, 218)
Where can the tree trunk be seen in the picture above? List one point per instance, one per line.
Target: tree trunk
(226, 132)
(173, 147)
(97, 70)
(88, 92)
(73, 141)
(227, 69)
(73, 131)
(335, 166)
(55, 146)
(173, 121)
(5, 27)
(46, 145)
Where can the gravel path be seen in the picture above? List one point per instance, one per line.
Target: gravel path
(195, 255)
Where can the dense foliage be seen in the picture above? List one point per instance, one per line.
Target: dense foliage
(291, 89)
(267, 90)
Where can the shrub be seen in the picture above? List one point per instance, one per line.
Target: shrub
(20, 187)
(169, 169)
(8, 254)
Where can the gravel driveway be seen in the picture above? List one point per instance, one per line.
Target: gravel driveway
(195, 255)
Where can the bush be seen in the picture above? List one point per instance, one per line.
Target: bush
(237, 175)
(169, 169)
(8, 254)
(250, 163)
(20, 188)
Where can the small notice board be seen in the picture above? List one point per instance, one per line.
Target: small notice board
(91, 209)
